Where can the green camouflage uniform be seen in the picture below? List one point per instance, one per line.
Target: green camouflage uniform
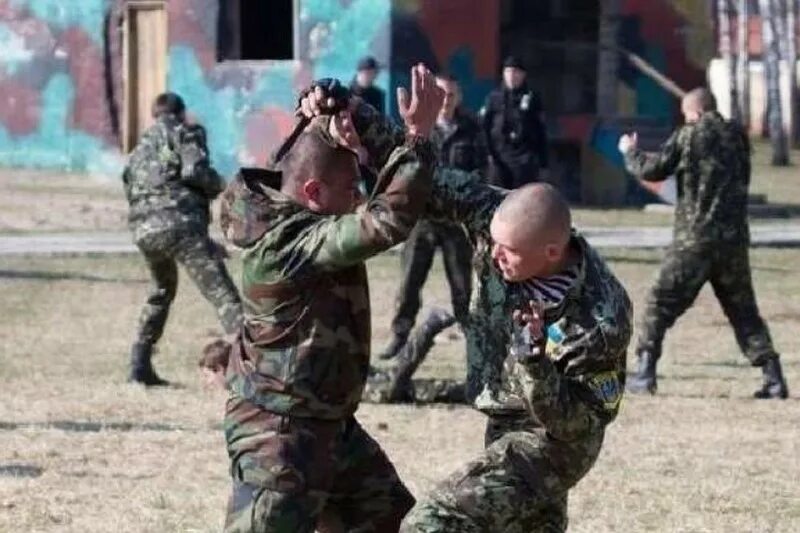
(711, 162)
(169, 184)
(547, 416)
(460, 146)
(298, 457)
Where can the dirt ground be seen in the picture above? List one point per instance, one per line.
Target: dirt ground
(82, 451)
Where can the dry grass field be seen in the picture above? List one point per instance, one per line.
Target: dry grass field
(83, 451)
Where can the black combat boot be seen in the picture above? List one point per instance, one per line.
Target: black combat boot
(394, 346)
(142, 368)
(774, 386)
(644, 380)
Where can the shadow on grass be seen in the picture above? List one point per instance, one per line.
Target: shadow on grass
(60, 276)
(20, 470)
(89, 427)
(617, 258)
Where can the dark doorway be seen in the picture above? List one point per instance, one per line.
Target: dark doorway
(255, 30)
(557, 39)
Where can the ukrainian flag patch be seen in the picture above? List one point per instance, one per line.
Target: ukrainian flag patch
(606, 388)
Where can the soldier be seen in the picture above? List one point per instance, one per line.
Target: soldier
(363, 85)
(710, 158)
(299, 458)
(550, 399)
(459, 143)
(514, 125)
(169, 183)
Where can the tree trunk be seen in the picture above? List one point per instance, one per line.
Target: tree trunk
(726, 49)
(791, 7)
(743, 62)
(608, 59)
(777, 133)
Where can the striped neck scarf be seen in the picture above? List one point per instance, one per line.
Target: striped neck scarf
(550, 290)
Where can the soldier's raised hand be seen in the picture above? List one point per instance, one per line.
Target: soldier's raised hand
(420, 109)
(628, 142)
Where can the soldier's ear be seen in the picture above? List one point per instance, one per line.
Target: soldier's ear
(312, 192)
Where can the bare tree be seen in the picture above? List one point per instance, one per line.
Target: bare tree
(777, 132)
(726, 49)
(790, 41)
(743, 62)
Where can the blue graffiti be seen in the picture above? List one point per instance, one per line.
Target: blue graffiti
(86, 14)
(222, 110)
(13, 50)
(54, 144)
(359, 30)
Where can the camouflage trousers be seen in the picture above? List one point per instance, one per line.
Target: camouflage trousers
(518, 485)
(417, 258)
(293, 475)
(194, 250)
(683, 273)
(513, 172)
(395, 384)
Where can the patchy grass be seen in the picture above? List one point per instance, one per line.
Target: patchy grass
(81, 450)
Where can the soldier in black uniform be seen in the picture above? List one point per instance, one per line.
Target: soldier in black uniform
(514, 127)
(459, 142)
(363, 85)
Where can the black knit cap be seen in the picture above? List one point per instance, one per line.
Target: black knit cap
(513, 61)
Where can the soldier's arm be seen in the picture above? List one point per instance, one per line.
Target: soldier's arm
(570, 408)
(379, 135)
(536, 116)
(404, 185)
(481, 150)
(655, 166)
(463, 198)
(486, 118)
(196, 169)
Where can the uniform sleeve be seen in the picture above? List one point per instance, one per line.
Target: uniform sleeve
(379, 134)
(570, 407)
(335, 242)
(655, 166)
(536, 116)
(486, 118)
(196, 169)
(463, 198)
(481, 150)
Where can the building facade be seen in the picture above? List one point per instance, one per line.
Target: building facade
(77, 77)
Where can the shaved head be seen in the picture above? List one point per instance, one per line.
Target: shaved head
(531, 230)
(538, 212)
(696, 102)
(319, 173)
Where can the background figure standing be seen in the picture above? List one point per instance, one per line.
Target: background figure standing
(710, 158)
(169, 184)
(514, 125)
(363, 85)
(459, 143)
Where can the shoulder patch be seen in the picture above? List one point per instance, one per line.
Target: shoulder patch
(606, 388)
(525, 102)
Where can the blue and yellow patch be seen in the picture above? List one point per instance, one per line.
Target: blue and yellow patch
(607, 389)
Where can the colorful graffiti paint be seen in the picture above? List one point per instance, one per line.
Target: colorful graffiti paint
(61, 79)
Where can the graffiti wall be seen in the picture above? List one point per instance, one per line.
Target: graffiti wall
(61, 79)
(53, 110)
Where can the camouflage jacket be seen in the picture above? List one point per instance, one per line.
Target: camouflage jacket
(169, 181)
(461, 145)
(711, 163)
(305, 346)
(575, 390)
